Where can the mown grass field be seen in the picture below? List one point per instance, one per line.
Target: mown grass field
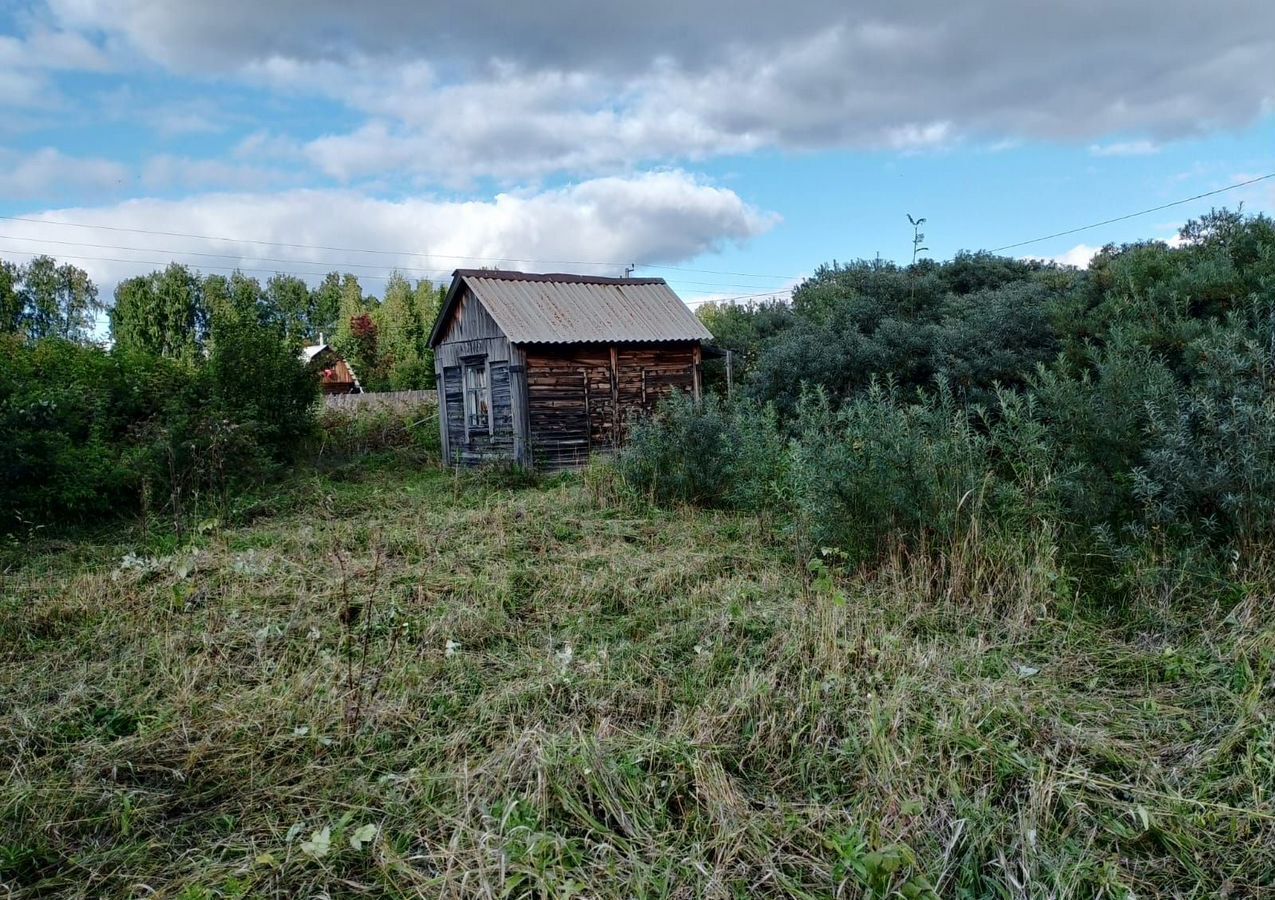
(399, 683)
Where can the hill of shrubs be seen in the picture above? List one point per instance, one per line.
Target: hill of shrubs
(1121, 417)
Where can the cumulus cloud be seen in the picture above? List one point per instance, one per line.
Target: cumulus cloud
(664, 217)
(49, 172)
(26, 63)
(169, 172)
(516, 91)
(1078, 256)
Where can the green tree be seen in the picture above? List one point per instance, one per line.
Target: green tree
(238, 296)
(404, 339)
(325, 301)
(163, 313)
(10, 299)
(258, 379)
(290, 305)
(57, 300)
(351, 305)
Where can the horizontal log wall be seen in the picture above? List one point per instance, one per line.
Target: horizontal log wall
(581, 397)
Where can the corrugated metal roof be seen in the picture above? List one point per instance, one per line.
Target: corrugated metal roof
(556, 309)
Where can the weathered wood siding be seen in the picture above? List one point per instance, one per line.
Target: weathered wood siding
(564, 389)
(580, 398)
(473, 333)
(482, 444)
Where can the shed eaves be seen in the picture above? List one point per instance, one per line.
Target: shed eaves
(555, 309)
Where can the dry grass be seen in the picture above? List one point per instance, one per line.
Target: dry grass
(549, 692)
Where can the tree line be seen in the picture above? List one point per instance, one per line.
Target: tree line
(199, 391)
(168, 313)
(386, 340)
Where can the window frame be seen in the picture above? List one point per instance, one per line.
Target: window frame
(475, 380)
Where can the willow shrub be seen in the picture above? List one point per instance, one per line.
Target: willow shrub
(878, 468)
(884, 468)
(711, 454)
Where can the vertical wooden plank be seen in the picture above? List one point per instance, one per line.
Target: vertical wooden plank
(615, 397)
(442, 411)
(464, 399)
(491, 410)
(588, 415)
(696, 355)
(519, 405)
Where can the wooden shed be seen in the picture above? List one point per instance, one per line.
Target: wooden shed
(336, 375)
(542, 370)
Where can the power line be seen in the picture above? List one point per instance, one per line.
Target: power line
(775, 295)
(719, 272)
(158, 264)
(1135, 214)
(433, 274)
(381, 252)
(277, 271)
(442, 273)
(304, 262)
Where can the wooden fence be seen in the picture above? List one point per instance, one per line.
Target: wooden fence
(383, 400)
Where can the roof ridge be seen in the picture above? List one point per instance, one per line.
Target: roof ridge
(560, 277)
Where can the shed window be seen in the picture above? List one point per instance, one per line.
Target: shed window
(477, 402)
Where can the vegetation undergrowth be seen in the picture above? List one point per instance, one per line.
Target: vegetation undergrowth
(406, 682)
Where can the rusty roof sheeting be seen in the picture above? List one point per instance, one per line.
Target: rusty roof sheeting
(557, 309)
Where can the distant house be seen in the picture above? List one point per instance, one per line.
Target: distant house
(543, 370)
(336, 374)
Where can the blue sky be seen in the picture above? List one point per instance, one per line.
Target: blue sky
(722, 137)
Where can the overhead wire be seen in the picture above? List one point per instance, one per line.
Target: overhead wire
(441, 275)
(1134, 215)
(433, 274)
(378, 251)
(159, 264)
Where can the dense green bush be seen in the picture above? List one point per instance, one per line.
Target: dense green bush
(1128, 410)
(879, 467)
(67, 413)
(976, 322)
(92, 433)
(711, 453)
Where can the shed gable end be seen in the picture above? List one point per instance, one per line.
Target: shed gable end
(468, 321)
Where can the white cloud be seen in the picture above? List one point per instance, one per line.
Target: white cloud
(525, 90)
(168, 172)
(45, 49)
(1125, 148)
(26, 62)
(49, 172)
(665, 217)
(1078, 256)
(167, 118)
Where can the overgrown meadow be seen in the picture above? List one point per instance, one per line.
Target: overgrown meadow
(966, 592)
(401, 682)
